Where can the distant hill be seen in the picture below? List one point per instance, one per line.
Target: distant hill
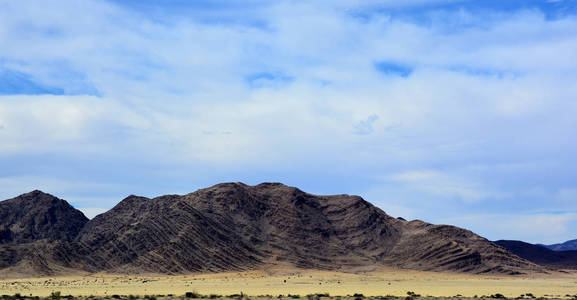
(233, 226)
(541, 255)
(568, 245)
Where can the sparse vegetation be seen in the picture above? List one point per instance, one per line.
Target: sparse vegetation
(242, 296)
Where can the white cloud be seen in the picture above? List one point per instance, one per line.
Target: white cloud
(535, 228)
(62, 123)
(492, 90)
(444, 185)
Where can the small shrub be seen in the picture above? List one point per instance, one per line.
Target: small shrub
(55, 295)
(358, 296)
(498, 296)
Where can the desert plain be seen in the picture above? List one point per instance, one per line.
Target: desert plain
(380, 282)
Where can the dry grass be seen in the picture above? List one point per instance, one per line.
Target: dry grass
(275, 282)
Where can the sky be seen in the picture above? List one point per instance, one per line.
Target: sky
(453, 112)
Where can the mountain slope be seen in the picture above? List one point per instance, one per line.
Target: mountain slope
(233, 226)
(164, 235)
(568, 245)
(541, 255)
(431, 247)
(308, 231)
(345, 231)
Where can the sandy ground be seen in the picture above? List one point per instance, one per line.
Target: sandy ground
(383, 282)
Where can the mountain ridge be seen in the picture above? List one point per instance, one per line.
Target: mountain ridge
(542, 255)
(235, 227)
(568, 245)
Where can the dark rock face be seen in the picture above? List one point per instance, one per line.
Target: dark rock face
(36, 216)
(541, 255)
(233, 226)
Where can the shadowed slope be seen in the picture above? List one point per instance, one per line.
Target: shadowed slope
(568, 245)
(541, 255)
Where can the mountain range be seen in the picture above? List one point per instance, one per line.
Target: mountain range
(568, 245)
(542, 255)
(234, 227)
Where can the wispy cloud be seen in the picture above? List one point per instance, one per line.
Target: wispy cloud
(443, 185)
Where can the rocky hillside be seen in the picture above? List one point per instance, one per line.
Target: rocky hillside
(233, 226)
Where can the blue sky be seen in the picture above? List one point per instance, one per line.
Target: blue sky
(458, 112)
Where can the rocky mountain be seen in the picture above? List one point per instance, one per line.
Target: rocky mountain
(233, 226)
(541, 255)
(36, 231)
(568, 245)
(35, 216)
(163, 235)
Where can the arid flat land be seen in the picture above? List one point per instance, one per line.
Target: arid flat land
(376, 283)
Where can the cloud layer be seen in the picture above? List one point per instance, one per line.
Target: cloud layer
(447, 111)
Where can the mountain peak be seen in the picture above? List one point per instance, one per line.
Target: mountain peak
(36, 193)
(37, 215)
